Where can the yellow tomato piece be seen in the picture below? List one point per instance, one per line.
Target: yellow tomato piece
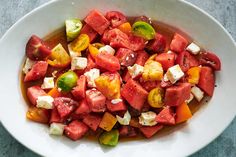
(37, 114)
(125, 27)
(183, 113)
(109, 85)
(152, 71)
(108, 121)
(80, 43)
(152, 57)
(59, 57)
(93, 51)
(98, 45)
(155, 97)
(194, 75)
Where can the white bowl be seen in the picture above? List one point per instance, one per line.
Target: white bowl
(204, 126)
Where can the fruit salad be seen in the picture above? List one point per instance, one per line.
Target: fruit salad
(112, 77)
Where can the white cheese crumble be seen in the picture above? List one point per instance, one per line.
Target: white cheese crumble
(54, 73)
(28, 65)
(125, 120)
(45, 102)
(193, 48)
(48, 83)
(135, 70)
(56, 129)
(169, 52)
(190, 98)
(107, 49)
(174, 73)
(91, 75)
(148, 118)
(79, 63)
(197, 92)
(116, 101)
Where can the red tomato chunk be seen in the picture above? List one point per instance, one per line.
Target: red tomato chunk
(38, 71)
(207, 80)
(126, 57)
(116, 18)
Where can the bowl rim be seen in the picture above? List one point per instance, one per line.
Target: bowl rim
(189, 4)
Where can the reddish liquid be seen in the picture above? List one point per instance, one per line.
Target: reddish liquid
(59, 36)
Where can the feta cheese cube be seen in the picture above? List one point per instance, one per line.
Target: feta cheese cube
(108, 49)
(135, 70)
(190, 98)
(48, 83)
(174, 73)
(197, 92)
(54, 73)
(56, 129)
(116, 101)
(148, 118)
(45, 102)
(79, 63)
(125, 120)
(193, 48)
(91, 75)
(165, 78)
(169, 51)
(28, 65)
(73, 53)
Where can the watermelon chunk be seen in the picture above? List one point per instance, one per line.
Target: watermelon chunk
(135, 94)
(149, 131)
(79, 91)
(76, 130)
(166, 116)
(120, 106)
(97, 21)
(96, 100)
(83, 108)
(34, 92)
(89, 31)
(92, 120)
(176, 95)
(142, 57)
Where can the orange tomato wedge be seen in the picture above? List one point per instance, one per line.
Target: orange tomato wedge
(183, 113)
(108, 121)
(125, 27)
(38, 115)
